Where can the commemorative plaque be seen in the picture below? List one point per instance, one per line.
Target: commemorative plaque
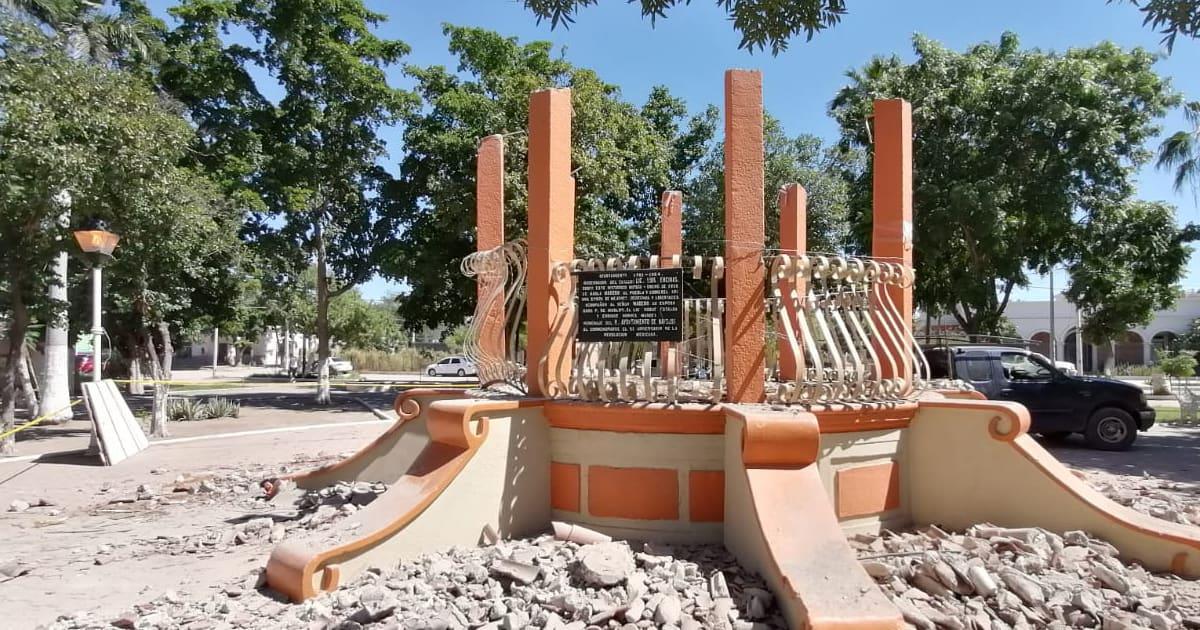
(630, 305)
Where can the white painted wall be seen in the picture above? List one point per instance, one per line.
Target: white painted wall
(1033, 317)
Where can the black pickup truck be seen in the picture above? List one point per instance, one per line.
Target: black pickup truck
(1109, 413)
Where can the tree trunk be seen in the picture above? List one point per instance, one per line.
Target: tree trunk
(158, 414)
(55, 382)
(18, 322)
(136, 387)
(26, 396)
(323, 396)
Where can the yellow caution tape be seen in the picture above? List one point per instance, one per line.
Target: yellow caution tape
(39, 419)
(286, 382)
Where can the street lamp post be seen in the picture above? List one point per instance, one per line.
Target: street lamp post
(97, 245)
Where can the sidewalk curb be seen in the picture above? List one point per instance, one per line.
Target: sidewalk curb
(382, 415)
(199, 438)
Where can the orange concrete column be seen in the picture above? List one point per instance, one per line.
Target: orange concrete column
(793, 237)
(670, 244)
(745, 328)
(551, 233)
(489, 234)
(892, 208)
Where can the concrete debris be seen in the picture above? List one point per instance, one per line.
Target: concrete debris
(18, 506)
(1001, 578)
(604, 564)
(485, 587)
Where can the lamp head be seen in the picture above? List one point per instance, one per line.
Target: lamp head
(96, 242)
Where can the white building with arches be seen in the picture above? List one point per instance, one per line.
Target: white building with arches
(1032, 320)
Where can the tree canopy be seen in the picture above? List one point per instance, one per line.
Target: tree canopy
(761, 24)
(308, 165)
(623, 157)
(1171, 18)
(107, 142)
(1023, 159)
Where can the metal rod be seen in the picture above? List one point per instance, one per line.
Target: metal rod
(1053, 336)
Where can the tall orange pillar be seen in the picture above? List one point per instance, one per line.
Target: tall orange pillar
(793, 239)
(489, 234)
(551, 237)
(745, 328)
(670, 244)
(892, 207)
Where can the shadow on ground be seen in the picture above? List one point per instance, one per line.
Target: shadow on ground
(1166, 452)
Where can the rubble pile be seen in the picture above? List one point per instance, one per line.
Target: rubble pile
(540, 583)
(1161, 498)
(995, 578)
(272, 519)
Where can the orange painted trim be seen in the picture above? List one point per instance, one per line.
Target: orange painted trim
(866, 490)
(407, 407)
(807, 549)
(777, 439)
(645, 494)
(564, 487)
(636, 418)
(871, 417)
(1046, 463)
(453, 442)
(1127, 517)
(706, 496)
(961, 395)
(1016, 414)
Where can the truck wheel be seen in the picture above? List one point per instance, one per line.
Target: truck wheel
(461, 372)
(431, 372)
(1111, 429)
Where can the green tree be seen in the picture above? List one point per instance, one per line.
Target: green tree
(1022, 158)
(623, 158)
(1170, 18)
(96, 132)
(761, 24)
(357, 323)
(1181, 150)
(800, 160)
(318, 175)
(110, 34)
(1131, 266)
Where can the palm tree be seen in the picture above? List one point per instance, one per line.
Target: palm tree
(1181, 150)
(86, 30)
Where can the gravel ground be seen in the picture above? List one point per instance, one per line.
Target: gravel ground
(534, 583)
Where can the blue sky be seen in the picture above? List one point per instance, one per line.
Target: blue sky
(689, 51)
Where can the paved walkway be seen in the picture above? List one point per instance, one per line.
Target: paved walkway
(264, 406)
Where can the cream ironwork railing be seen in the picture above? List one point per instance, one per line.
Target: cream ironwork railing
(493, 341)
(844, 330)
(835, 316)
(624, 371)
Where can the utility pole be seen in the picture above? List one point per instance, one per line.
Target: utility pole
(216, 349)
(1079, 339)
(1053, 337)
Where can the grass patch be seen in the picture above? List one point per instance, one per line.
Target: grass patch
(1166, 414)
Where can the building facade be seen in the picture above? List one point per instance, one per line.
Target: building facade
(1137, 347)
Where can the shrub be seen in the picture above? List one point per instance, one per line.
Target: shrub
(220, 407)
(404, 360)
(186, 410)
(1177, 365)
(1129, 369)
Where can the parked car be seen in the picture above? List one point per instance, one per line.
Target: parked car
(451, 366)
(1109, 413)
(84, 363)
(336, 366)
